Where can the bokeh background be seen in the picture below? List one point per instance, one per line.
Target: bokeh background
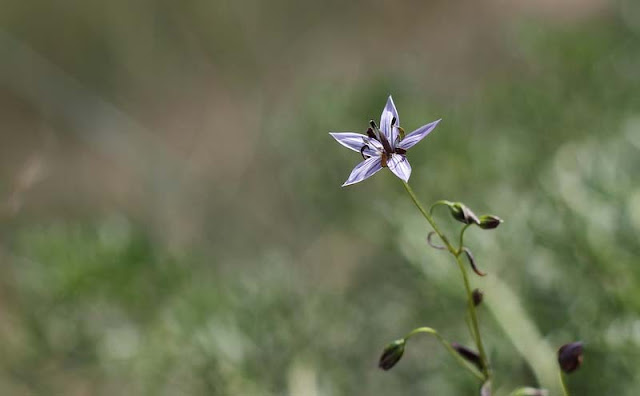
(172, 222)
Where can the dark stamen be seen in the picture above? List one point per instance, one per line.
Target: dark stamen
(400, 151)
(385, 143)
(371, 134)
(393, 121)
(383, 160)
(362, 151)
(373, 124)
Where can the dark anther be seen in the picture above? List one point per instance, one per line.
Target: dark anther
(468, 354)
(385, 143)
(373, 124)
(433, 245)
(383, 160)
(393, 121)
(472, 261)
(370, 133)
(362, 151)
(400, 151)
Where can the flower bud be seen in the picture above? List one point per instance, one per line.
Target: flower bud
(570, 356)
(489, 222)
(477, 296)
(468, 355)
(392, 354)
(463, 214)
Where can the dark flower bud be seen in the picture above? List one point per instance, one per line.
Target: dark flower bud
(570, 356)
(392, 354)
(463, 214)
(468, 355)
(477, 296)
(489, 222)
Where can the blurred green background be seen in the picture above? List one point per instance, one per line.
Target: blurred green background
(172, 221)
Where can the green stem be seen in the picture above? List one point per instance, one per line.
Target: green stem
(456, 254)
(474, 319)
(461, 245)
(447, 345)
(427, 216)
(565, 390)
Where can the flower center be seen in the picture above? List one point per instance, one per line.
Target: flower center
(374, 133)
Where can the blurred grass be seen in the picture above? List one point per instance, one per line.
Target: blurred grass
(213, 252)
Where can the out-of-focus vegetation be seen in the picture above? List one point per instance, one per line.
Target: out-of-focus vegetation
(172, 217)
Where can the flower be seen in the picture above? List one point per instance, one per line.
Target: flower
(383, 147)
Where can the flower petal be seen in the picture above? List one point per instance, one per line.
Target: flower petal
(375, 145)
(387, 116)
(414, 137)
(363, 170)
(351, 140)
(399, 165)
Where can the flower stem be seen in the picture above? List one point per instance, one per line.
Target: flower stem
(447, 345)
(565, 390)
(456, 253)
(461, 243)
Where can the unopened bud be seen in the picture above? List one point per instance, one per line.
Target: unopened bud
(489, 222)
(468, 354)
(463, 214)
(477, 296)
(570, 356)
(392, 354)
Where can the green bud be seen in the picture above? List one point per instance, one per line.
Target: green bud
(570, 357)
(392, 354)
(489, 222)
(463, 214)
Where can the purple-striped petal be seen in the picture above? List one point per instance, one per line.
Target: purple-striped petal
(388, 114)
(363, 170)
(414, 137)
(399, 165)
(351, 140)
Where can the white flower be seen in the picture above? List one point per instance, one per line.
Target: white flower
(383, 148)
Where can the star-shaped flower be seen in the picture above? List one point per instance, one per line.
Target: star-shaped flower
(383, 147)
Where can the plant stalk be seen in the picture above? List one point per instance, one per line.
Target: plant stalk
(456, 254)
